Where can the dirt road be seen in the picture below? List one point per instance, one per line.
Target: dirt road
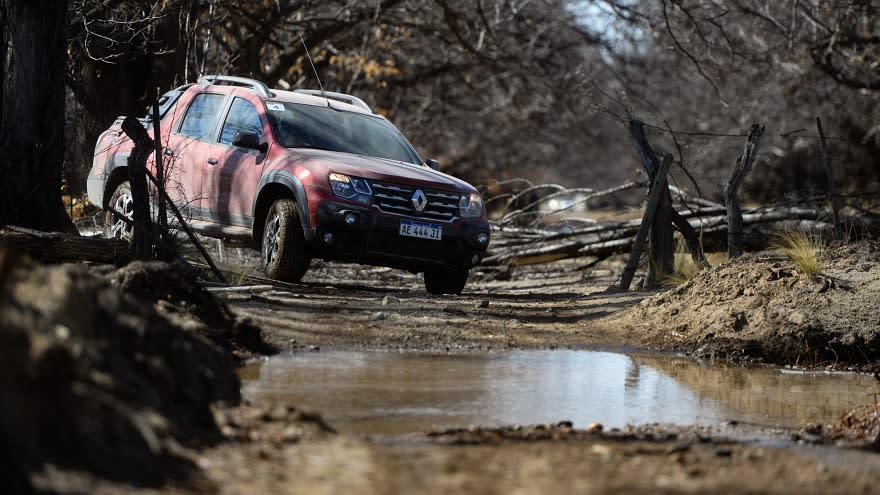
(277, 448)
(374, 308)
(344, 307)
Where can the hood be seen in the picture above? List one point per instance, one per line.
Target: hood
(381, 169)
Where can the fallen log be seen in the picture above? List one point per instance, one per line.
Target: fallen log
(58, 248)
(529, 246)
(563, 248)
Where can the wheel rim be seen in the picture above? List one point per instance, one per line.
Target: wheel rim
(124, 204)
(271, 240)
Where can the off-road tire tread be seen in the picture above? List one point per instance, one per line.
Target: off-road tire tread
(291, 262)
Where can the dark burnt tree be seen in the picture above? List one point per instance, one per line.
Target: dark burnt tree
(34, 40)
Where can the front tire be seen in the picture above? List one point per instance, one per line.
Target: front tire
(448, 281)
(283, 244)
(122, 201)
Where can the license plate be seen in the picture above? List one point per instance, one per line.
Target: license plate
(430, 231)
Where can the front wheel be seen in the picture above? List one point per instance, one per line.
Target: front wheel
(283, 244)
(121, 201)
(449, 281)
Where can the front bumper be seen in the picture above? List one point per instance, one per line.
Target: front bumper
(374, 238)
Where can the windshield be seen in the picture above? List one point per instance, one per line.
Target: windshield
(308, 126)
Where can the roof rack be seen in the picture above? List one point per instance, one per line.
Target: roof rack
(259, 87)
(344, 98)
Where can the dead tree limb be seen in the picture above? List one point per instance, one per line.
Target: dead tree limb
(657, 188)
(734, 212)
(687, 198)
(563, 247)
(829, 174)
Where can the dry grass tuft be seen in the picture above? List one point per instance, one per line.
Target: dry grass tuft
(804, 249)
(685, 268)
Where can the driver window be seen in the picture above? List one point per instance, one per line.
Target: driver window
(242, 116)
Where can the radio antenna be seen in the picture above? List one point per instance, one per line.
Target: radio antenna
(314, 69)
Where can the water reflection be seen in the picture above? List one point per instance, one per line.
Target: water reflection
(397, 392)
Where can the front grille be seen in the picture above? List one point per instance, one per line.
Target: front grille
(397, 198)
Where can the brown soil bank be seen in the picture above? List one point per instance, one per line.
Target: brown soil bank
(104, 373)
(762, 308)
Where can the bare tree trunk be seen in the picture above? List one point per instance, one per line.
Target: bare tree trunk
(34, 43)
(137, 178)
(162, 216)
(734, 212)
(662, 255)
(829, 174)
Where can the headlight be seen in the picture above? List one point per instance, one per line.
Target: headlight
(351, 188)
(470, 206)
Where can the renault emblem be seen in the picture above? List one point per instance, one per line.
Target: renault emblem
(419, 200)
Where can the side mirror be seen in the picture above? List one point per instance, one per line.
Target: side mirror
(249, 140)
(433, 164)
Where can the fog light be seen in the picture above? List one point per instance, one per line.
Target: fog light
(328, 238)
(483, 238)
(350, 219)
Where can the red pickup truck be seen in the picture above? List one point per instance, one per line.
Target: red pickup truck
(300, 175)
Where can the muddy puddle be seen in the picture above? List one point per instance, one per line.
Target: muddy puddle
(387, 392)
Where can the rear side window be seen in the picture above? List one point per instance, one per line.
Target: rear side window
(201, 115)
(242, 116)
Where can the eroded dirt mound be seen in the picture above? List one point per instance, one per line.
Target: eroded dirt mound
(763, 308)
(177, 296)
(95, 378)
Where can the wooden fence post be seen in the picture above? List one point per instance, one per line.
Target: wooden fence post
(658, 185)
(731, 201)
(662, 247)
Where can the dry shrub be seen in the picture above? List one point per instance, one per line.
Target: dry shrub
(804, 249)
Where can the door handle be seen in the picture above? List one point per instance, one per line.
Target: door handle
(212, 161)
